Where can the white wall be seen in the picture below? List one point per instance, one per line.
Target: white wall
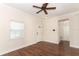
(48, 34)
(52, 23)
(31, 27)
(74, 37)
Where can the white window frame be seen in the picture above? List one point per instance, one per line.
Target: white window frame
(21, 35)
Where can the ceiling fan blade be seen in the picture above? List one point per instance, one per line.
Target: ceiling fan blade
(50, 8)
(36, 7)
(45, 5)
(45, 12)
(38, 11)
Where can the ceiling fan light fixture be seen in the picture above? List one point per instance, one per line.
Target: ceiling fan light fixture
(44, 8)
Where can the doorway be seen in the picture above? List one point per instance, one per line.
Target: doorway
(64, 41)
(64, 29)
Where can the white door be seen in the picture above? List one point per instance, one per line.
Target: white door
(64, 30)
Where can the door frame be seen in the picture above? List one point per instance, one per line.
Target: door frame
(66, 19)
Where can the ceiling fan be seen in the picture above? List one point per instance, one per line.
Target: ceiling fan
(44, 8)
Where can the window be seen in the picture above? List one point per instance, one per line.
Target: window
(16, 30)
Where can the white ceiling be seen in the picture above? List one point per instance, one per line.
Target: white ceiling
(61, 8)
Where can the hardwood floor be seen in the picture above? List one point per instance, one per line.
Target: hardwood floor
(46, 49)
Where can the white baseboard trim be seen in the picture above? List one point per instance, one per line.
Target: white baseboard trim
(8, 51)
(52, 42)
(5, 52)
(74, 46)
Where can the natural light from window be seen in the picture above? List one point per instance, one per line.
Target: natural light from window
(16, 30)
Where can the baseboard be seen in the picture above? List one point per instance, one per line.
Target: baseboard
(74, 46)
(8, 51)
(52, 42)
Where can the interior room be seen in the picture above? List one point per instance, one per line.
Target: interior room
(39, 29)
